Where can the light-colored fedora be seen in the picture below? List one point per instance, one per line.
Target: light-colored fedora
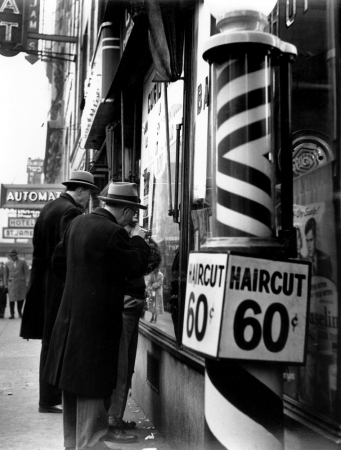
(81, 178)
(123, 193)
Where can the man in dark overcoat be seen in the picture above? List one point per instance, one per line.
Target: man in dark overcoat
(83, 354)
(46, 288)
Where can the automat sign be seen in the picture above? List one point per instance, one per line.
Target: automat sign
(29, 196)
(17, 18)
(246, 308)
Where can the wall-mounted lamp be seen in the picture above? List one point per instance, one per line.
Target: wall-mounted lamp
(243, 58)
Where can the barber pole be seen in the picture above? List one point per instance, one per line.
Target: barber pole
(243, 400)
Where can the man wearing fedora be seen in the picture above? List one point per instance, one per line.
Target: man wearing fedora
(98, 256)
(46, 287)
(16, 279)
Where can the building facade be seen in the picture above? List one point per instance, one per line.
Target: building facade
(136, 107)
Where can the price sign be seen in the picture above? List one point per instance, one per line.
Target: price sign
(204, 301)
(247, 308)
(265, 314)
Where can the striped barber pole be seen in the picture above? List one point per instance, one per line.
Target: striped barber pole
(244, 204)
(243, 402)
(241, 411)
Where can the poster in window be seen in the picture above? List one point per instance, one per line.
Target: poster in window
(314, 384)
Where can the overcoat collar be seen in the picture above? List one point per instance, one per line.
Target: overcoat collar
(68, 197)
(105, 213)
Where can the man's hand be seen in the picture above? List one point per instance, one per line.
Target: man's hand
(137, 231)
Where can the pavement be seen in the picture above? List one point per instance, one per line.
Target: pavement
(22, 427)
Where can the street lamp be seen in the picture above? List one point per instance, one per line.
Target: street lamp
(246, 64)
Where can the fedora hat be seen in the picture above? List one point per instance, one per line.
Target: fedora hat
(13, 252)
(81, 178)
(123, 193)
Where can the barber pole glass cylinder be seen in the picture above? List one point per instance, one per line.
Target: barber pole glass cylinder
(243, 195)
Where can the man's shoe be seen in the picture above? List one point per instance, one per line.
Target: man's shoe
(115, 422)
(126, 424)
(50, 409)
(11, 317)
(118, 435)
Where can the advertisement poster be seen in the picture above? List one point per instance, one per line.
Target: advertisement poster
(314, 384)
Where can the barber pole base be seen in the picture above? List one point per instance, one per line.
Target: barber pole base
(241, 411)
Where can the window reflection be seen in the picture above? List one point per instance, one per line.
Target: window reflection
(158, 157)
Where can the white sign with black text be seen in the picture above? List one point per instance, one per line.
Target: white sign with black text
(259, 312)
(204, 301)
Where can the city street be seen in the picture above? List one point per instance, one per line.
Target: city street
(22, 427)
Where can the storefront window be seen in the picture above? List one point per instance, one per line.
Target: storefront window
(160, 141)
(201, 213)
(312, 388)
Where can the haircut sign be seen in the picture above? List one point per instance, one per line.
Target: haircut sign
(246, 308)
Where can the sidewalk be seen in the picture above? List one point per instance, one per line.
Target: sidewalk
(21, 426)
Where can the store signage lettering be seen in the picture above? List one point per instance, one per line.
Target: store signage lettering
(17, 233)
(259, 313)
(244, 278)
(31, 196)
(202, 99)
(204, 301)
(21, 222)
(33, 14)
(9, 20)
(33, 21)
(291, 10)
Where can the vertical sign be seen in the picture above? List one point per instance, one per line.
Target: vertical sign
(33, 24)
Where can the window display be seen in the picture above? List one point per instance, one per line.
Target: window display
(158, 165)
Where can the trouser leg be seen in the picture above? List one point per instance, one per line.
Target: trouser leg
(20, 304)
(3, 301)
(11, 307)
(69, 419)
(49, 395)
(85, 422)
(127, 355)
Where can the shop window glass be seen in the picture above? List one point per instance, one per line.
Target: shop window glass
(312, 388)
(158, 165)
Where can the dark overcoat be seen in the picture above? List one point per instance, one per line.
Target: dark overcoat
(46, 289)
(99, 255)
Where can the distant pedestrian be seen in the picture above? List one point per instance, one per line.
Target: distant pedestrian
(46, 288)
(3, 291)
(98, 256)
(16, 279)
(155, 289)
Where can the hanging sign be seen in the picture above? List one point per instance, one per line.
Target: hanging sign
(23, 196)
(11, 27)
(260, 312)
(17, 19)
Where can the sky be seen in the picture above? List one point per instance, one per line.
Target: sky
(24, 106)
